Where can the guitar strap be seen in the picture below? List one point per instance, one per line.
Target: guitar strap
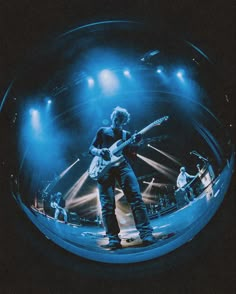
(124, 135)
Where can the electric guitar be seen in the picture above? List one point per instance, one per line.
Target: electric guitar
(100, 166)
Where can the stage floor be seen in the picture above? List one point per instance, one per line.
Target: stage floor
(171, 230)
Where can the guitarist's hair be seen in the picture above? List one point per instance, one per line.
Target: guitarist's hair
(121, 112)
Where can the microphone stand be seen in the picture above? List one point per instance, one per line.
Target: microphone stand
(199, 156)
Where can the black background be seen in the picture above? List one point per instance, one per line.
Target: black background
(28, 262)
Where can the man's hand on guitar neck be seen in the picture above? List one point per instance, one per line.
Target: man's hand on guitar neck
(136, 138)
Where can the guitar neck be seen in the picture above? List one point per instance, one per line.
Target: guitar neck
(189, 183)
(127, 142)
(122, 145)
(147, 128)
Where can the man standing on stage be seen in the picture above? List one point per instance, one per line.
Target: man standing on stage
(59, 204)
(124, 175)
(182, 184)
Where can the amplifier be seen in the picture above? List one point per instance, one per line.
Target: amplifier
(180, 198)
(73, 218)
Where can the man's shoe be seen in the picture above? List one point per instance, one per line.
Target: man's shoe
(112, 246)
(149, 240)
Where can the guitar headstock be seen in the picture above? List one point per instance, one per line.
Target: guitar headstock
(153, 124)
(160, 120)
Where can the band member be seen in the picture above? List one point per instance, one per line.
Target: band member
(124, 175)
(182, 183)
(58, 203)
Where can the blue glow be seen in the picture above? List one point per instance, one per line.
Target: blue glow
(48, 106)
(42, 143)
(185, 84)
(33, 112)
(180, 74)
(90, 82)
(162, 75)
(35, 119)
(160, 69)
(127, 73)
(108, 81)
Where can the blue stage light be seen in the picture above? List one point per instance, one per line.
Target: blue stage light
(127, 73)
(35, 119)
(180, 74)
(90, 82)
(160, 69)
(33, 112)
(108, 81)
(48, 103)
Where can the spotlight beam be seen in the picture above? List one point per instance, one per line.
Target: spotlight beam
(67, 169)
(72, 203)
(156, 184)
(73, 191)
(51, 185)
(168, 172)
(149, 187)
(166, 154)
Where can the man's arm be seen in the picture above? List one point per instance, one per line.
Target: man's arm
(95, 149)
(190, 176)
(131, 150)
(96, 143)
(104, 152)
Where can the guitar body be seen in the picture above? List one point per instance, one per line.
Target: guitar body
(99, 166)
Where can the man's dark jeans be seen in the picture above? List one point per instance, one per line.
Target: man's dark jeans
(130, 186)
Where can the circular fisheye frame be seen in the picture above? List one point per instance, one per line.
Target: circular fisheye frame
(174, 149)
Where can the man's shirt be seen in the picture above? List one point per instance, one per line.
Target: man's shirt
(107, 136)
(183, 179)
